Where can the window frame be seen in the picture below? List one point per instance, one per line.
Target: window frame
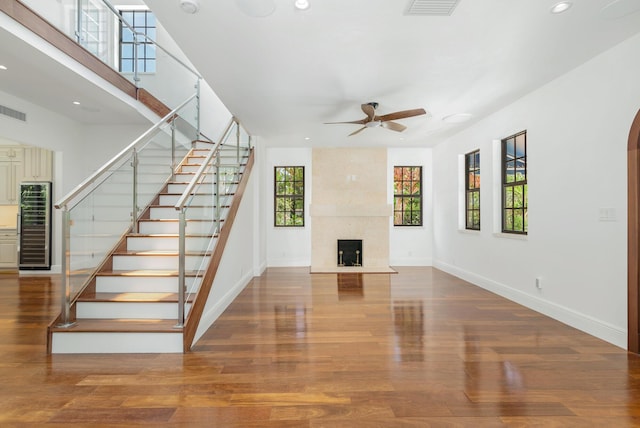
(403, 196)
(145, 43)
(514, 184)
(293, 196)
(470, 189)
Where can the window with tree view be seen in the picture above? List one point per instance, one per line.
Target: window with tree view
(289, 196)
(514, 184)
(407, 200)
(472, 190)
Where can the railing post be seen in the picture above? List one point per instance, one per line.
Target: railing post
(79, 22)
(65, 292)
(136, 78)
(217, 191)
(197, 109)
(238, 143)
(182, 226)
(173, 148)
(134, 211)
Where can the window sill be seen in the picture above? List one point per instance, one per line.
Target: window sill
(470, 231)
(515, 236)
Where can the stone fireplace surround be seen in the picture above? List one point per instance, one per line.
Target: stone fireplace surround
(349, 201)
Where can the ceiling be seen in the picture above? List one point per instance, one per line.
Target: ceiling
(285, 74)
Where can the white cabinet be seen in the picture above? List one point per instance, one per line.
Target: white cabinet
(10, 176)
(36, 164)
(8, 249)
(22, 163)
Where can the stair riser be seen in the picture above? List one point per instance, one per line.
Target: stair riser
(195, 244)
(99, 343)
(127, 310)
(203, 199)
(181, 187)
(171, 227)
(186, 178)
(122, 262)
(141, 284)
(170, 213)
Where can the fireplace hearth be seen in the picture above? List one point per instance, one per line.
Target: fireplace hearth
(350, 252)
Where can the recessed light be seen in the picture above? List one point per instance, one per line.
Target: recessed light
(76, 103)
(563, 6)
(2, 67)
(457, 118)
(307, 138)
(301, 4)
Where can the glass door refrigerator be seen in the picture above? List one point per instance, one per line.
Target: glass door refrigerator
(34, 226)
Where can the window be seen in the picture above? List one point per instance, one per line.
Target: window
(514, 184)
(289, 196)
(144, 22)
(472, 190)
(407, 200)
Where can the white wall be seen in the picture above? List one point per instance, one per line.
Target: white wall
(238, 264)
(577, 129)
(287, 246)
(412, 245)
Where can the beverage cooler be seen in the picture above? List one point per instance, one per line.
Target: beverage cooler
(34, 226)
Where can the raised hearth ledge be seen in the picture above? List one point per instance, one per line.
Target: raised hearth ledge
(352, 269)
(352, 210)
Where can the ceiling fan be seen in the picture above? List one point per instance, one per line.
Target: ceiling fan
(384, 121)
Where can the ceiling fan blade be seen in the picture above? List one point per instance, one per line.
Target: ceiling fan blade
(359, 130)
(401, 114)
(360, 122)
(393, 126)
(369, 110)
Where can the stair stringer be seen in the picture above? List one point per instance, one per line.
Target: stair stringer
(195, 323)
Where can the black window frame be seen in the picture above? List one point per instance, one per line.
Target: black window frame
(147, 53)
(472, 190)
(514, 161)
(407, 196)
(296, 199)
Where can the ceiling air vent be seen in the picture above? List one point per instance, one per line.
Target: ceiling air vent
(431, 7)
(15, 114)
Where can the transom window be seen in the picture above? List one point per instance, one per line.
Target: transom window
(514, 184)
(289, 196)
(407, 199)
(472, 190)
(140, 50)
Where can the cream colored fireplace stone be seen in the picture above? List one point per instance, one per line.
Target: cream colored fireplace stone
(349, 201)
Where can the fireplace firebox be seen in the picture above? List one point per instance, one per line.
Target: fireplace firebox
(349, 252)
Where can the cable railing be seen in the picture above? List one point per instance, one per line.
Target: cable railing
(215, 181)
(106, 205)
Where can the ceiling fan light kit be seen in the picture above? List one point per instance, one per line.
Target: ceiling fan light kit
(383, 121)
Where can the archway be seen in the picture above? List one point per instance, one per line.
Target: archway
(633, 232)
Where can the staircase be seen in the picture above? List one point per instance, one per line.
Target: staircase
(131, 304)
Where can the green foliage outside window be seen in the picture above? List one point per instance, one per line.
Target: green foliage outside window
(407, 201)
(472, 190)
(289, 196)
(514, 184)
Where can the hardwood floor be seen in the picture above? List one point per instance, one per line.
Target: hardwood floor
(419, 348)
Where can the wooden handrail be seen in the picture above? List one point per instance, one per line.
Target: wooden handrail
(197, 308)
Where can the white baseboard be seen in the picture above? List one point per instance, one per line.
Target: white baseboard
(588, 324)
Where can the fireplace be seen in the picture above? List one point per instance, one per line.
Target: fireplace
(349, 252)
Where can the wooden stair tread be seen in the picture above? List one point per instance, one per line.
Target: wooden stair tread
(159, 253)
(154, 273)
(169, 235)
(88, 325)
(131, 297)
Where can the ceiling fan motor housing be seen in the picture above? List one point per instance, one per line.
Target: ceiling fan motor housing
(373, 104)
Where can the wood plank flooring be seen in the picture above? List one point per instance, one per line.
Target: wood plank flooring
(419, 348)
